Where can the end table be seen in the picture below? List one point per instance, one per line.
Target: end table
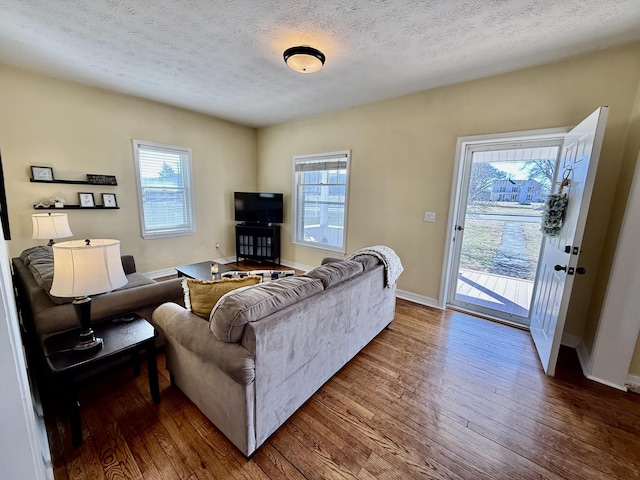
(121, 339)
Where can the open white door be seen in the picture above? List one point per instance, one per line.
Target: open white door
(558, 264)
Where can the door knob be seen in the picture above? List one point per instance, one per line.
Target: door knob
(557, 268)
(581, 270)
(459, 228)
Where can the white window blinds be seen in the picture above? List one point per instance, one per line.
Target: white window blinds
(165, 190)
(320, 203)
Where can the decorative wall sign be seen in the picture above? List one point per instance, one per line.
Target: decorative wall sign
(101, 179)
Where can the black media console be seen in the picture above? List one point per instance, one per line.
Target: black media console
(258, 242)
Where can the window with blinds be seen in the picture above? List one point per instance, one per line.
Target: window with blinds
(320, 201)
(164, 189)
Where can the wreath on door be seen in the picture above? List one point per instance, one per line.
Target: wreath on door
(554, 210)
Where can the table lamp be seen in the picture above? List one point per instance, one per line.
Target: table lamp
(82, 268)
(50, 225)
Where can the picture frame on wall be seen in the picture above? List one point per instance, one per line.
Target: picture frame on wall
(109, 200)
(42, 174)
(86, 200)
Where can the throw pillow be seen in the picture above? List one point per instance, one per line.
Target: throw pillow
(201, 295)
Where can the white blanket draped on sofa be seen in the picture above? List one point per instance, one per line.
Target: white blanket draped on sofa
(392, 264)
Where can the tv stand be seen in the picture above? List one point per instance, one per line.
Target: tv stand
(258, 242)
(255, 224)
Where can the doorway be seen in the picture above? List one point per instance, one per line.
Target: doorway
(496, 246)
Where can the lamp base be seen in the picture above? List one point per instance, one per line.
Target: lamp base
(88, 342)
(90, 345)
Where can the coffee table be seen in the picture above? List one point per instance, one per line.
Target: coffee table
(201, 270)
(126, 336)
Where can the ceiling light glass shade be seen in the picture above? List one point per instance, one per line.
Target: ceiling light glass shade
(86, 267)
(304, 59)
(50, 226)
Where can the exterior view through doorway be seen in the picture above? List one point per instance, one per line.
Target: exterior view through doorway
(497, 240)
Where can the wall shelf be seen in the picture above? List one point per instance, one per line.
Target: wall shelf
(76, 207)
(75, 182)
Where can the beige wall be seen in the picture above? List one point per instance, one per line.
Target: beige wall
(403, 156)
(79, 130)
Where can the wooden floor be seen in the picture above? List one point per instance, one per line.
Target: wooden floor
(497, 292)
(436, 395)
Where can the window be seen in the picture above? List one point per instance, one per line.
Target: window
(320, 200)
(164, 189)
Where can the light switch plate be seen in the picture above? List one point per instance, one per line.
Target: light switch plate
(430, 216)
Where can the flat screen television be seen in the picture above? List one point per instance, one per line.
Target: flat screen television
(258, 207)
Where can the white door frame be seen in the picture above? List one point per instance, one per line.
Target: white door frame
(458, 176)
(609, 360)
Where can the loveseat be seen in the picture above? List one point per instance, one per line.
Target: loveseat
(43, 314)
(266, 349)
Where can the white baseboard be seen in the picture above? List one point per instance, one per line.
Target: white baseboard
(167, 272)
(584, 358)
(608, 383)
(633, 383)
(297, 266)
(570, 340)
(422, 300)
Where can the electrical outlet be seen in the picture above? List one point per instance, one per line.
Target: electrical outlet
(217, 245)
(430, 216)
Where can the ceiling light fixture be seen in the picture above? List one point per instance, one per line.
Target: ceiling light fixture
(304, 59)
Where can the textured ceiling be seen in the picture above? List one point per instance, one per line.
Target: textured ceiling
(224, 57)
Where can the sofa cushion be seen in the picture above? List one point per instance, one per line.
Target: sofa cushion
(40, 251)
(136, 280)
(41, 267)
(326, 260)
(201, 295)
(235, 310)
(335, 272)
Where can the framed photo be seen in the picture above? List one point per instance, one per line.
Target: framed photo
(109, 200)
(42, 174)
(86, 200)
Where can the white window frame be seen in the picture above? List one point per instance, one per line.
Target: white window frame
(187, 187)
(318, 157)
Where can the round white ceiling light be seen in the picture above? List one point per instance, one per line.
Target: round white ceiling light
(304, 59)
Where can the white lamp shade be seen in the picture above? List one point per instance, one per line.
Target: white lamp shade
(50, 225)
(80, 269)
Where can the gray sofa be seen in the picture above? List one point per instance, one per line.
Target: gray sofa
(43, 314)
(266, 349)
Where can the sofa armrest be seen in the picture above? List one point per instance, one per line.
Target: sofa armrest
(192, 332)
(128, 264)
(142, 300)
